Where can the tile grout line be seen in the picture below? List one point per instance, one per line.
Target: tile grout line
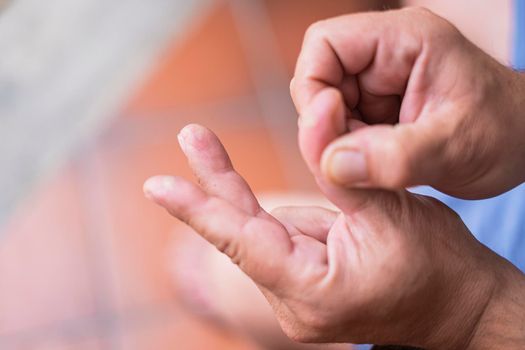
(270, 79)
(97, 224)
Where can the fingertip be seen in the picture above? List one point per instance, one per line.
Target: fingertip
(327, 106)
(321, 123)
(156, 188)
(204, 151)
(194, 136)
(191, 128)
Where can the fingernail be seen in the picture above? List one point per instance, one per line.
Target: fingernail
(348, 167)
(157, 187)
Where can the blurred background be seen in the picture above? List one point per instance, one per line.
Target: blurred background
(92, 96)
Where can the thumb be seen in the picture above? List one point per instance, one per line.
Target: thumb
(322, 122)
(386, 156)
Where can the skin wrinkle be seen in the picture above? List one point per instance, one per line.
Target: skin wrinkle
(425, 52)
(349, 104)
(290, 228)
(222, 171)
(477, 323)
(355, 242)
(348, 83)
(358, 82)
(414, 78)
(285, 214)
(374, 44)
(334, 53)
(332, 255)
(190, 213)
(315, 77)
(288, 305)
(338, 124)
(374, 97)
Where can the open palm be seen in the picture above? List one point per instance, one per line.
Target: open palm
(382, 270)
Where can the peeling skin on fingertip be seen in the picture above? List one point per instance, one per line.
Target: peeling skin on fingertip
(156, 188)
(193, 136)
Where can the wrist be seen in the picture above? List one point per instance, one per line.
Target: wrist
(470, 294)
(484, 306)
(462, 286)
(502, 323)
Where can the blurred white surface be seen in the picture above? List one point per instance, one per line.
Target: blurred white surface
(66, 66)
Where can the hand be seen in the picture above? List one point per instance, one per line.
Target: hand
(422, 104)
(384, 270)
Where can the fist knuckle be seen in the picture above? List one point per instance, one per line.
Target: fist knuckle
(441, 29)
(419, 10)
(433, 26)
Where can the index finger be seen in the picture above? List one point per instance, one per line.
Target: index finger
(332, 50)
(260, 247)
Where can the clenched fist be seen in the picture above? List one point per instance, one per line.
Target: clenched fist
(422, 104)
